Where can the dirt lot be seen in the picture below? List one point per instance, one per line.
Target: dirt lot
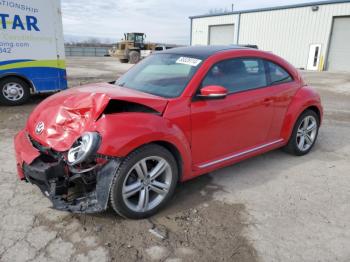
(274, 207)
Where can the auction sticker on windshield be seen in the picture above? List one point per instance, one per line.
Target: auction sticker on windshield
(188, 61)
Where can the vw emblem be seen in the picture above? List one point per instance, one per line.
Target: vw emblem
(39, 128)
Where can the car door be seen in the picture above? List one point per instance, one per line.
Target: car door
(282, 87)
(239, 122)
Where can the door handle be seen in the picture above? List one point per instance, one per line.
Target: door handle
(268, 101)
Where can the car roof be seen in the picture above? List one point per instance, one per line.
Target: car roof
(202, 52)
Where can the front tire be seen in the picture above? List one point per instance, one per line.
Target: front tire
(14, 91)
(304, 134)
(134, 57)
(144, 182)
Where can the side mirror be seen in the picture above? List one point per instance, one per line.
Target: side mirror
(213, 92)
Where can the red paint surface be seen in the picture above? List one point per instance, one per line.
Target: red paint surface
(202, 131)
(25, 152)
(70, 113)
(213, 90)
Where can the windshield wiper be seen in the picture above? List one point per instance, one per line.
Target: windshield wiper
(121, 84)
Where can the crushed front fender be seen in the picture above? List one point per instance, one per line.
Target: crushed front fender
(79, 190)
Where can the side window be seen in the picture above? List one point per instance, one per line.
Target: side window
(237, 74)
(277, 74)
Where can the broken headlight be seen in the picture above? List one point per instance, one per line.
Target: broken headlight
(84, 148)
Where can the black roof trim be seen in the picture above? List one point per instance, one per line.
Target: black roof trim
(201, 52)
(274, 8)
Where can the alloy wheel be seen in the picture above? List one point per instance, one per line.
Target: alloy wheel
(306, 133)
(147, 184)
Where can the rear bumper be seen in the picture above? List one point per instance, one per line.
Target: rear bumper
(77, 191)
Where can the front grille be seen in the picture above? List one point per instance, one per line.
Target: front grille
(37, 145)
(47, 153)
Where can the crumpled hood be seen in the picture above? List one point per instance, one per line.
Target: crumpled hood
(68, 114)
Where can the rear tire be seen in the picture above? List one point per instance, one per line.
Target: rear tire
(134, 57)
(14, 91)
(124, 61)
(304, 134)
(144, 182)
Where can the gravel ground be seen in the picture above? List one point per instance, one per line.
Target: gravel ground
(274, 207)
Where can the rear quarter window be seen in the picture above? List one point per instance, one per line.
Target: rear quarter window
(277, 74)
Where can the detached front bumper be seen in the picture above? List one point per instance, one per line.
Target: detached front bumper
(78, 191)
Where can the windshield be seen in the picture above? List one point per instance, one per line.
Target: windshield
(164, 75)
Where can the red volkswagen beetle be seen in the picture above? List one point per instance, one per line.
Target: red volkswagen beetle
(176, 115)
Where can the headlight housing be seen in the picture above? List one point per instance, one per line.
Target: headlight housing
(83, 148)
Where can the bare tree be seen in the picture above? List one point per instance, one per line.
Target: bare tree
(88, 41)
(92, 41)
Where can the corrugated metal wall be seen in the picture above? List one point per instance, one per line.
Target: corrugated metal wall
(200, 27)
(285, 32)
(290, 32)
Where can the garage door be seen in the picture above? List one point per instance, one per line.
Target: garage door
(339, 52)
(221, 34)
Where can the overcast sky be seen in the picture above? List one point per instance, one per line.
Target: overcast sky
(163, 21)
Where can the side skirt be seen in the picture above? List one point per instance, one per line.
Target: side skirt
(237, 157)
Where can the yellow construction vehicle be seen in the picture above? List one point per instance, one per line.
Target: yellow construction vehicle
(132, 48)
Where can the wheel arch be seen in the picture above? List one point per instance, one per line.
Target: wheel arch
(316, 110)
(133, 133)
(175, 152)
(178, 150)
(21, 77)
(305, 99)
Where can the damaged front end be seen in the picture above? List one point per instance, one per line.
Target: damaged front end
(77, 181)
(61, 151)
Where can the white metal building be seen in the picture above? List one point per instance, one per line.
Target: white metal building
(313, 36)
